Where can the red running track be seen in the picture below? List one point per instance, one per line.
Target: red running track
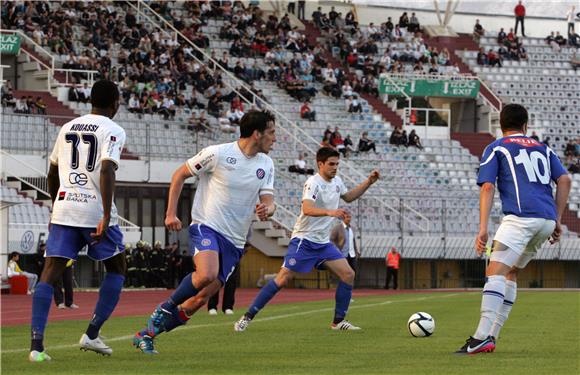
(17, 309)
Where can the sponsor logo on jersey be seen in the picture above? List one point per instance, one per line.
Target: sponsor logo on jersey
(80, 197)
(113, 138)
(526, 142)
(206, 242)
(198, 166)
(80, 179)
(61, 195)
(231, 160)
(260, 173)
(207, 159)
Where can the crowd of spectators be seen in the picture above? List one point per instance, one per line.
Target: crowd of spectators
(510, 47)
(572, 154)
(26, 104)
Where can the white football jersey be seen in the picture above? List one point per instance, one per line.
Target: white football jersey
(229, 188)
(82, 144)
(325, 195)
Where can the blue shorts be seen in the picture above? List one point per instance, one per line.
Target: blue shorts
(65, 241)
(304, 255)
(203, 238)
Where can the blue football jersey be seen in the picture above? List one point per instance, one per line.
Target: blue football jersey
(524, 170)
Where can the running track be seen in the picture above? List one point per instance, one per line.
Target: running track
(17, 309)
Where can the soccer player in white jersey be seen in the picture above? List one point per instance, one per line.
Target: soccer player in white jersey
(233, 178)
(81, 183)
(524, 170)
(310, 245)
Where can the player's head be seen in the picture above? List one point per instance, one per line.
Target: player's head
(105, 98)
(259, 127)
(14, 256)
(327, 161)
(514, 117)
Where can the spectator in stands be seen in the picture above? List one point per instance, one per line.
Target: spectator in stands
(493, 58)
(560, 39)
(574, 40)
(404, 20)
(300, 165)
(348, 146)
(74, 94)
(354, 105)
(337, 142)
(198, 123)
(414, 140)
(570, 16)
(15, 270)
(86, 93)
(316, 16)
(225, 123)
(414, 25)
(31, 104)
(501, 36)
(575, 62)
(306, 112)
(214, 108)
(570, 151)
(134, 105)
(520, 14)
(551, 40)
(535, 136)
(40, 106)
(398, 138)
(21, 106)
(326, 141)
(574, 168)
(481, 57)
(301, 8)
(365, 144)
(478, 31)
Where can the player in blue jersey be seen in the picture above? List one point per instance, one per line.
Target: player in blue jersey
(524, 170)
(236, 182)
(81, 183)
(310, 246)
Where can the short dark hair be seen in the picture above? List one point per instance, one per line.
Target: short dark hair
(324, 153)
(104, 94)
(255, 120)
(513, 117)
(13, 254)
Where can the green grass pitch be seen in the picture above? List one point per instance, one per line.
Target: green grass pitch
(542, 336)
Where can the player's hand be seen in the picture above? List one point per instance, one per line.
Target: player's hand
(101, 229)
(481, 242)
(374, 176)
(556, 233)
(262, 211)
(172, 223)
(339, 213)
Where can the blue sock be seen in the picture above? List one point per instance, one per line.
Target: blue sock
(41, 302)
(108, 298)
(342, 298)
(185, 290)
(266, 293)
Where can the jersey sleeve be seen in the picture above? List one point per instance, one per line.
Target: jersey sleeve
(556, 167)
(204, 162)
(267, 187)
(112, 145)
(56, 149)
(342, 187)
(489, 167)
(311, 190)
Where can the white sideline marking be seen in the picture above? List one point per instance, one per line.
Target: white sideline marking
(276, 317)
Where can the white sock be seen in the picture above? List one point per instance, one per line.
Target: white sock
(511, 291)
(492, 300)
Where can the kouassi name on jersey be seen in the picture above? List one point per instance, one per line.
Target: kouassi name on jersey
(325, 195)
(524, 170)
(81, 146)
(229, 187)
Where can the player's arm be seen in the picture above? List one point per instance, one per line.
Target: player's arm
(107, 183)
(563, 186)
(53, 181)
(172, 222)
(355, 193)
(485, 203)
(266, 208)
(310, 209)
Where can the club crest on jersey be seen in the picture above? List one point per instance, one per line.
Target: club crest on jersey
(260, 173)
(205, 242)
(292, 262)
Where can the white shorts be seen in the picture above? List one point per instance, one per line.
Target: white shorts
(523, 236)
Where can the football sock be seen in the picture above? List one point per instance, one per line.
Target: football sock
(185, 290)
(266, 294)
(492, 300)
(108, 298)
(342, 297)
(41, 301)
(511, 290)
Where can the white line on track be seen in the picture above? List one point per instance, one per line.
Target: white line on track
(267, 319)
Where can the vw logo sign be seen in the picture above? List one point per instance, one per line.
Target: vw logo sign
(27, 241)
(78, 179)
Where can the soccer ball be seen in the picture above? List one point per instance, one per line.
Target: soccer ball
(421, 324)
